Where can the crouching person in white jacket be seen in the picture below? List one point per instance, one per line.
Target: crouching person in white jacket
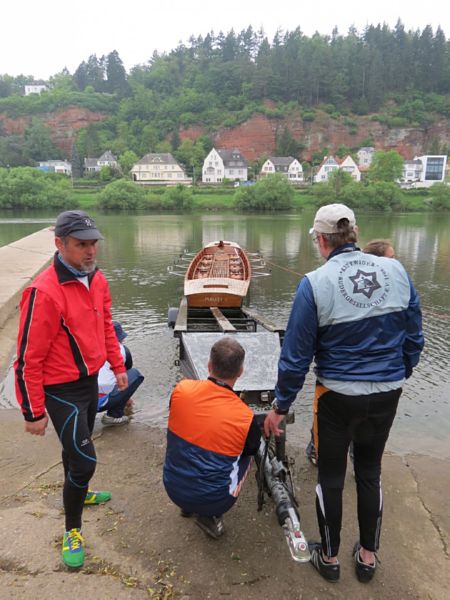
(111, 400)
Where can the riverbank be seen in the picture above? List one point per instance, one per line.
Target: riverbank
(139, 547)
(207, 199)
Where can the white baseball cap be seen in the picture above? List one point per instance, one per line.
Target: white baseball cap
(327, 218)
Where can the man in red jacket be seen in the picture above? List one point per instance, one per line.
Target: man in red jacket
(65, 336)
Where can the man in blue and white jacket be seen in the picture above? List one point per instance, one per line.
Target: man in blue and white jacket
(358, 316)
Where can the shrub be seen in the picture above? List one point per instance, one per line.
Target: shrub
(27, 187)
(440, 196)
(121, 194)
(274, 192)
(178, 197)
(308, 116)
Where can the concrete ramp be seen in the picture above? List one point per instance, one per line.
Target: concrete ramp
(21, 261)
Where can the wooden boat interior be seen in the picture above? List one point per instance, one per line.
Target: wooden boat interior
(222, 260)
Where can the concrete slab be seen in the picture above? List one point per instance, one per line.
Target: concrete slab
(138, 545)
(21, 261)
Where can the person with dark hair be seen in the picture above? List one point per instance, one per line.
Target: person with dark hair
(65, 336)
(212, 435)
(111, 400)
(358, 316)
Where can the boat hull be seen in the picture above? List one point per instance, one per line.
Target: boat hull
(219, 275)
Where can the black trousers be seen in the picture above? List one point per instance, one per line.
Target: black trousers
(366, 420)
(72, 408)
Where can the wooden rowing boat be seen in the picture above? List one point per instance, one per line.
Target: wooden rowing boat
(219, 275)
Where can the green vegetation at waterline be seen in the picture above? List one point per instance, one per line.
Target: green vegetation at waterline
(27, 187)
(32, 189)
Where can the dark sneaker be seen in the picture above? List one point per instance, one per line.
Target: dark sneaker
(329, 571)
(186, 514)
(311, 453)
(364, 572)
(212, 526)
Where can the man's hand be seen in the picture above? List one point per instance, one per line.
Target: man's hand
(37, 427)
(122, 381)
(272, 422)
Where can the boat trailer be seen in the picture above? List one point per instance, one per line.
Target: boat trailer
(197, 330)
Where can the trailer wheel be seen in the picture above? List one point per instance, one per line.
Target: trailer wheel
(172, 315)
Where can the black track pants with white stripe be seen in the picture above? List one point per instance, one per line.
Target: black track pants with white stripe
(72, 408)
(367, 421)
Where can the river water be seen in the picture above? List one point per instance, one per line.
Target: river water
(138, 250)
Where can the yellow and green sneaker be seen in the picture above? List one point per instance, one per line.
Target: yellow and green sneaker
(73, 549)
(94, 497)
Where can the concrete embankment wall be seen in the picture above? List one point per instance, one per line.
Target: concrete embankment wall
(20, 262)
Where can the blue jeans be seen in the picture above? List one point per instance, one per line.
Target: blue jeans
(116, 399)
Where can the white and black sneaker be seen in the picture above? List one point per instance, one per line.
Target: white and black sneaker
(107, 420)
(329, 571)
(212, 526)
(364, 571)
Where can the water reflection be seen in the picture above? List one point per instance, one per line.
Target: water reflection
(139, 248)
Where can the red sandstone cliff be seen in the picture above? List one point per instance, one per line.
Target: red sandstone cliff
(257, 136)
(63, 124)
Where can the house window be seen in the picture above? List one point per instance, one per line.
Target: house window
(434, 169)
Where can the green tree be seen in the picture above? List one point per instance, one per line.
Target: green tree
(286, 144)
(27, 187)
(385, 166)
(76, 162)
(440, 196)
(178, 197)
(127, 160)
(121, 194)
(116, 75)
(272, 193)
(38, 142)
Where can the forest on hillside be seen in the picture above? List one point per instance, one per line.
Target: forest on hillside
(402, 77)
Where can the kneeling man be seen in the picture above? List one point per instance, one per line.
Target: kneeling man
(211, 437)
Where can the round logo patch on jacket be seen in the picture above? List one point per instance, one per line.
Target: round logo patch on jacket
(363, 284)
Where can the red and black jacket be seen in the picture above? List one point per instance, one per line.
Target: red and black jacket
(65, 334)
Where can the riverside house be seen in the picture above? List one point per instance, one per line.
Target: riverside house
(288, 166)
(94, 165)
(224, 164)
(159, 169)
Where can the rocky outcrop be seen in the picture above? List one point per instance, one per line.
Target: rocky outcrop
(63, 124)
(257, 136)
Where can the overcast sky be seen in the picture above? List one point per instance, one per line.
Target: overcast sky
(41, 38)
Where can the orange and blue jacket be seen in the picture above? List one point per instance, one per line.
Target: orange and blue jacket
(65, 334)
(207, 430)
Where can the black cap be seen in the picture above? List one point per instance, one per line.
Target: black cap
(120, 333)
(77, 224)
